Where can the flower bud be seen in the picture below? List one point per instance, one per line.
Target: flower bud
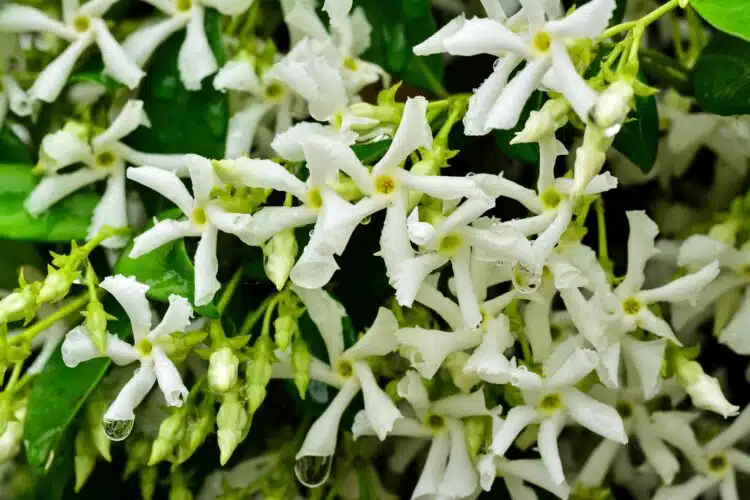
(301, 366)
(726, 232)
(56, 285)
(170, 432)
(475, 429)
(138, 451)
(179, 489)
(543, 123)
(231, 421)
(96, 323)
(704, 390)
(10, 440)
(222, 370)
(196, 434)
(148, 478)
(284, 328)
(590, 157)
(614, 104)
(280, 253)
(259, 370)
(18, 305)
(85, 458)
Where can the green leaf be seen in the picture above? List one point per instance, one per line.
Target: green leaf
(397, 26)
(526, 152)
(730, 16)
(183, 121)
(58, 394)
(638, 139)
(64, 221)
(166, 270)
(52, 486)
(12, 149)
(13, 255)
(721, 76)
(372, 151)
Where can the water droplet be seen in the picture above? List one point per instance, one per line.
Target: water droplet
(525, 280)
(612, 130)
(117, 430)
(319, 392)
(313, 471)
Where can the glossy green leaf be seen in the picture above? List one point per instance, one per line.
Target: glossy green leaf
(527, 152)
(13, 255)
(183, 121)
(721, 76)
(166, 270)
(371, 152)
(12, 149)
(58, 394)
(638, 139)
(65, 221)
(729, 16)
(397, 26)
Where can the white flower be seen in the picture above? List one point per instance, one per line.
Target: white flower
(83, 26)
(101, 159)
(517, 472)
(13, 97)
(498, 102)
(205, 218)
(155, 366)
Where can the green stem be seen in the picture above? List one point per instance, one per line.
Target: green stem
(75, 305)
(252, 318)
(601, 226)
(266, 328)
(226, 297)
(434, 84)
(642, 22)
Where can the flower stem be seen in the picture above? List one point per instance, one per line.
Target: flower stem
(75, 305)
(226, 297)
(642, 22)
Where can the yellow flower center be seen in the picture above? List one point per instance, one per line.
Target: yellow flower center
(435, 422)
(450, 244)
(314, 198)
(541, 41)
(81, 24)
(145, 347)
(717, 464)
(345, 369)
(183, 5)
(624, 409)
(550, 198)
(385, 184)
(631, 306)
(273, 91)
(550, 403)
(350, 64)
(199, 216)
(105, 159)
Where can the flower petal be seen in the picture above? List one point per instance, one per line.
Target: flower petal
(162, 233)
(579, 363)
(52, 79)
(641, 248)
(435, 44)
(166, 184)
(195, 60)
(411, 387)
(313, 269)
(288, 144)
(484, 36)
(461, 478)
(652, 323)
(54, 188)
(462, 405)
(395, 247)
(413, 132)
(380, 410)
(141, 44)
(517, 419)
(78, 347)
(17, 18)
(229, 7)
(169, 379)
(206, 267)
(327, 314)
(176, 319)
(568, 82)
(242, 128)
(411, 273)
(112, 210)
(484, 98)
(117, 63)
(262, 174)
(587, 21)
(427, 349)
(549, 430)
(431, 297)
(595, 416)
(130, 118)
(507, 108)
(131, 395)
(684, 288)
(644, 361)
(325, 155)
(378, 340)
(132, 297)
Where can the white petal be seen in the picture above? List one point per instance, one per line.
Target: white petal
(378, 340)
(495, 9)
(327, 314)
(487, 360)
(536, 316)
(268, 221)
(112, 210)
(534, 472)
(572, 85)
(202, 176)
(462, 405)
(132, 297)
(427, 349)
(507, 108)
(439, 186)
(576, 366)
(313, 269)
(170, 381)
(413, 132)
(320, 440)
(587, 21)
(54, 188)
(641, 248)
(64, 148)
(165, 183)
(488, 473)
(195, 59)
(325, 155)
(429, 296)
(117, 63)
(467, 298)
(141, 44)
(237, 75)
(411, 387)
(547, 441)
(688, 490)
(608, 369)
(162, 233)
(684, 288)
(19, 102)
(337, 10)
(435, 44)
(599, 462)
(394, 238)
(657, 454)
(433, 470)
(404, 427)
(170, 162)
(229, 7)
(546, 242)
(460, 479)
(96, 8)
(176, 319)
(288, 144)
(381, 412)
(501, 243)
(650, 322)
(466, 213)
(595, 416)
(206, 267)
(701, 249)
(131, 395)
(517, 419)
(263, 174)
(229, 222)
(242, 128)
(16, 18)
(78, 347)
(675, 429)
(645, 358)
(588, 317)
(303, 17)
(130, 118)
(411, 273)
(50, 82)
(484, 36)
(338, 220)
(481, 103)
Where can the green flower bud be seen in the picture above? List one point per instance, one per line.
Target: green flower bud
(138, 451)
(94, 413)
(18, 305)
(301, 366)
(170, 432)
(148, 478)
(231, 421)
(96, 323)
(196, 434)
(85, 458)
(57, 285)
(284, 328)
(223, 366)
(280, 253)
(259, 370)
(476, 429)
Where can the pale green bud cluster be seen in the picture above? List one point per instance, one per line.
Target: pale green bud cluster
(280, 255)
(223, 367)
(231, 421)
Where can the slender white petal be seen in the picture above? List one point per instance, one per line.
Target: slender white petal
(546, 242)
(433, 470)
(439, 186)
(229, 222)
(487, 360)
(130, 118)
(320, 440)
(507, 109)
(288, 144)
(162, 233)
(18, 101)
(169, 379)
(337, 10)
(467, 297)
(599, 462)
(141, 44)
(578, 364)
(675, 429)
(206, 267)
(641, 248)
(685, 288)
(202, 177)
(497, 185)
(96, 8)
(78, 348)
(170, 162)
(462, 405)
(650, 322)
(572, 85)
(112, 210)
(132, 297)
(131, 395)
(413, 132)
(588, 21)
(427, 349)
(176, 319)
(702, 249)
(688, 490)
(237, 75)
(517, 419)
(394, 238)
(50, 82)
(536, 317)
(464, 214)
(403, 427)
(54, 188)
(326, 154)
(411, 387)
(595, 416)
(303, 17)
(117, 63)
(656, 452)
(166, 184)
(313, 269)
(644, 360)
(735, 334)
(411, 273)
(534, 472)
(242, 128)
(435, 44)
(195, 60)
(64, 148)
(268, 221)
(483, 99)
(327, 314)
(263, 174)
(378, 340)
(587, 317)
(484, 36)
(460, 479)
(548, 431)
(431, 297)
(739, 460)
(17, 18)
(381, 412)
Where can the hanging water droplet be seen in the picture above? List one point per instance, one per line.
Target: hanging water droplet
(313, 471)
(117, 430)
(525, 279)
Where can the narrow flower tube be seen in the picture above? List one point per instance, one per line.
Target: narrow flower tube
(169, 379)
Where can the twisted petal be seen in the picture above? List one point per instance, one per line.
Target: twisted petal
(170, 162)
(206, 267)
(650, 322)
(435, 44)
(395, 247)
(461, 405)
(16, 18)
(380, 410)
(18, 100)
(467, 297)
(578, 364)
(589, 21)
(595, 416)
(411, 273)
(427, 349)
(378, 340)
(141, 44)
(50, 82)
(413, 132)
(166, 184)
(325, 154)
(195, 60)
(78, 347)
(54, 188)
(288, 144)
(116, 61)
(484, 98)
(242, 128)
(132, 297)
(487, 360)
(411, 387)
(327, 314)
(548, 431)
(131, 395)
(130, 118)
(517, 419)
(572, 85)
(431, 297)
(263, 174)
(484, 36)
(644, 361)
(685, 288)
(433, 470)
(534, 472)
(170, 381)
(461, 478)
(112, 210)
(507, 108)
(162, 233)
(64, 148)
(313, 269)
(641, 248)
(176, 319)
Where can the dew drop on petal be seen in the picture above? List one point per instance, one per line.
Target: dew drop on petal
(525, 280)
(117, 430)
(313, 471)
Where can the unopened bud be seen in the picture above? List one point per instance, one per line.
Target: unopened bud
(138, 451)
(590, 158)
(222, 369)
(543, 123)
(614, 104)
(280, 254)
(196, 434)
(18, 305)
(301, 366)
(85, 459)
(475, 429)
(284, 328)
(179, 489)
(726, 232)
(259, 370)
(704, 390)
(231, 421)
(147, 482)
(170, 432)
(96, 323)
(10, 440)
(56, 286)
